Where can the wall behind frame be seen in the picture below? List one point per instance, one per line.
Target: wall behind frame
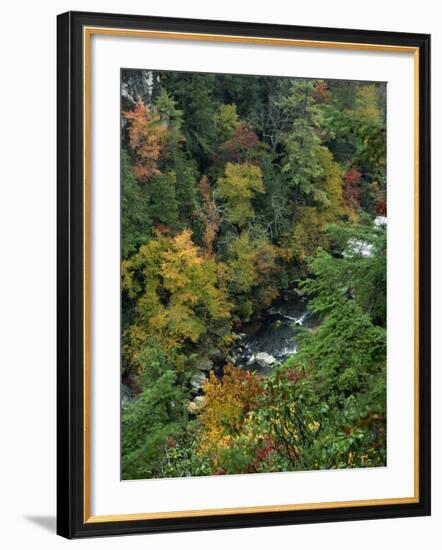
(27, 289)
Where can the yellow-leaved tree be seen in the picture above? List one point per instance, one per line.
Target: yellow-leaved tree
(176, 295)
(250, 270)
(228, 403)
(237, 188)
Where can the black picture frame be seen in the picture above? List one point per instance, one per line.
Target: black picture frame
(71, 519)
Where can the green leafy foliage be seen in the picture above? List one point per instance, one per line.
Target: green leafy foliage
(136, 220)
(163, 202)
(153, 418)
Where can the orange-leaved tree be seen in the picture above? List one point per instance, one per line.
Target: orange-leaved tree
(146, 135)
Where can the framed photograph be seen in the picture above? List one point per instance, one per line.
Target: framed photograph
(243, 274)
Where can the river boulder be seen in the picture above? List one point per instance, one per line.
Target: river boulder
(195, 406)
(204, 364)
(264, 359)
(197, 381)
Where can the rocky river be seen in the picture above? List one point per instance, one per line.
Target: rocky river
(259, 343)
(268, 338)
(272, 336)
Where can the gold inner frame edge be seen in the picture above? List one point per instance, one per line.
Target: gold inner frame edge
(87, 33)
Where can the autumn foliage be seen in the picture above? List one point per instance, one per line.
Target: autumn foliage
(243, 146)
(228, 402)
(146, 137)
(209, 214)
(351, 191)
(237, 194)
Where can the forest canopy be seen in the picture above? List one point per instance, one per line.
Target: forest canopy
(241, 195)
